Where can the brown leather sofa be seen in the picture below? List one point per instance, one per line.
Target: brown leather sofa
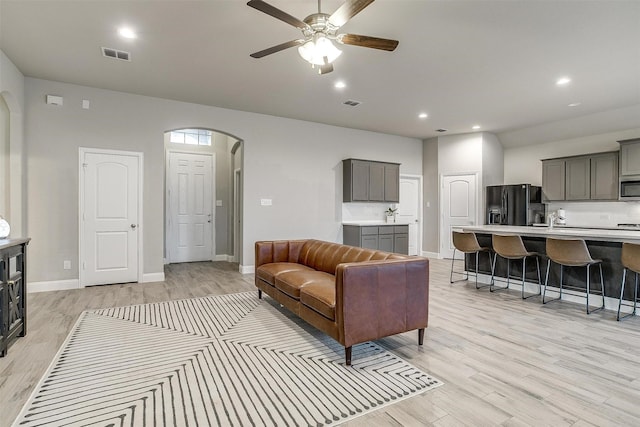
(352, 294)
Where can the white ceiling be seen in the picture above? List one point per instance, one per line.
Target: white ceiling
(492, 63)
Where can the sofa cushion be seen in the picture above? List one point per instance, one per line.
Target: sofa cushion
(268, 272)
(321, 297)
(291, 282)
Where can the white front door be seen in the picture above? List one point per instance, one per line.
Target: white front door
(190, 207)
(409, 210)
(459, 208)
(110, 211)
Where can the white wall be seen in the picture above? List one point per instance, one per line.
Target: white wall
(296, 164)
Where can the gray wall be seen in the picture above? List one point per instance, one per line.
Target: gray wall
(12, 156)
(431, 197)
(294, 163)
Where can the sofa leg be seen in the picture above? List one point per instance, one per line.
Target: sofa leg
(347, 355)
(420, 336)
(259, 294)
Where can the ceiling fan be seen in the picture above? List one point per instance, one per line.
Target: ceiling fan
(319, 30)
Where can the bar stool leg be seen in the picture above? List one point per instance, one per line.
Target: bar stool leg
(546, 284)
(601, 284)
(453, 258)
(588, 277)
(624, 277)
(491, 264)
(539, 279)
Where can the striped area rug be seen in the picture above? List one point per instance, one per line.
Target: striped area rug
(231, 360)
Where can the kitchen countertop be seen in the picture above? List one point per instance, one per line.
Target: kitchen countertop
(372, 223)
(607, 235)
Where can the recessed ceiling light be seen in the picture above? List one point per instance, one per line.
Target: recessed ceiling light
(475, 127)
(127, 33)
(340, 85)
(574, 104)
(423, 115)
(563, 81)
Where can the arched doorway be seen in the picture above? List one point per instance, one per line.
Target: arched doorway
(203, 209)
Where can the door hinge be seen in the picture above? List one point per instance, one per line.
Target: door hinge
(84, 165)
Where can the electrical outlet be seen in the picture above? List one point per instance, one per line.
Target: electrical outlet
(66, 264)
(266, 202)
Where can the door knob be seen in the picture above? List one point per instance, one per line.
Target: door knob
(133, 225)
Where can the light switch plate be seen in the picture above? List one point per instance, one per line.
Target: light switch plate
(218, 202)
(266, 202)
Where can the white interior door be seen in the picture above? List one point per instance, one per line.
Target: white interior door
(409, 210)
(190, 207)
(459, 208)
(110, 194)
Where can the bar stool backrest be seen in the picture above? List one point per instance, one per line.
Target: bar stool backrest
(465, 242)
(509, 246)
(571, 252)
(631, 256)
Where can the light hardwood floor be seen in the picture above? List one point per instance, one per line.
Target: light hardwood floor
(504, 361)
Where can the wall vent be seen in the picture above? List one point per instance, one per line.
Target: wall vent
(352, 103)
(441, 130)
(116, 54)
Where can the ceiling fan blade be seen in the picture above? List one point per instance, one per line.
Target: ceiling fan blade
(348, 10)
(277, 13)
(367, 41)
(278, 48)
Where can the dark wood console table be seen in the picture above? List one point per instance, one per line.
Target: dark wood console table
(13, 291)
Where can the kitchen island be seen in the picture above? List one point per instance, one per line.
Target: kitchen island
(604, 244)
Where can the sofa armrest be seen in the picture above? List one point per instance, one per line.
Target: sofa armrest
(375, 299)
(268, 251)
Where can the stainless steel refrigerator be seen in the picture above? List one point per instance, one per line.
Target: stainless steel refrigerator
(519, 204)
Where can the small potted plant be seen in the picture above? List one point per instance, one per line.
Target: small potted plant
(391, 214)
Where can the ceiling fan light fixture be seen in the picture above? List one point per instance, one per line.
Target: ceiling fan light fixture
(319, 51)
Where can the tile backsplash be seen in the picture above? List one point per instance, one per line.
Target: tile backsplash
(598, 214)
(365, 211)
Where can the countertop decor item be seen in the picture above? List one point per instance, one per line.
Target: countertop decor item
(391, 214)
(5, 229)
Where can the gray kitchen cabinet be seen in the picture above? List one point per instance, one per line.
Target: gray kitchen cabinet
(630, 157)
(604, 176)
(589, 177)
(388, 238)
(553, 175)
(578, 178)
(376, 182)
(370, 181)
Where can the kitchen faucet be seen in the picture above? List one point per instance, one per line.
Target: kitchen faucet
(551, 219)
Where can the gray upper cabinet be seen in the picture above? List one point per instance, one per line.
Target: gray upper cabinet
(630, 157)
(578, 178)
(604, 176)
(369, 181)
(553, 174)
(591, 177)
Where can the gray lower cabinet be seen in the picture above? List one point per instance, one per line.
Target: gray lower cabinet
(388, 238)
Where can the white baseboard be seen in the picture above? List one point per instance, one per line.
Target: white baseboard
(435, 255)
(247, 269)
(53, 285)
(153, 277)
(223, 257)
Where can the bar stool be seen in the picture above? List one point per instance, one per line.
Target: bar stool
(467, 243)
(512, 248)
(571, 253)
(630, 261)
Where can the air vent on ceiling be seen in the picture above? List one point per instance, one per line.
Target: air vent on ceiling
(116, 54)
(441, 130)
(352, 103)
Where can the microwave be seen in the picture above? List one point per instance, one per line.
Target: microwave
(630, 190)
